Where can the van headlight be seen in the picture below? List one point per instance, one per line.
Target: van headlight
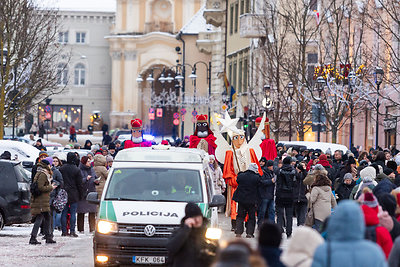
(213, 233)
(106, 227)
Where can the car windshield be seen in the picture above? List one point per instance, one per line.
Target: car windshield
(22, 174)
(149, 184)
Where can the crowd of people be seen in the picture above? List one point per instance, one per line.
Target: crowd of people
(72, 178)
(347, 207)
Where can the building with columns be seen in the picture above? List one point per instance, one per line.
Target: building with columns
(153, 38)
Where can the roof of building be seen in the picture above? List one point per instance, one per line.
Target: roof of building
(196, 24)
(79, 5)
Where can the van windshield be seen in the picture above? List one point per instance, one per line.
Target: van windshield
(149, 184)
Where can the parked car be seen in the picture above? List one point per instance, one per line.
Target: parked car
(20, 151)
(115, 135)
(14, 194)
(315, 145)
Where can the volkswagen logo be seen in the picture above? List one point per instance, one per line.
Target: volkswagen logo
(149, 230)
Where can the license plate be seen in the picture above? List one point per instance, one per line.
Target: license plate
(148, 260)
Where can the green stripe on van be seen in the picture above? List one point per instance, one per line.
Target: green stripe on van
(205, 210)
(107, 211)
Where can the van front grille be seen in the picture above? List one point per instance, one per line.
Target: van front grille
(162, 230)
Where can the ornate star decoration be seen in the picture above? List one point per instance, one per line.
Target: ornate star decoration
(228, 124)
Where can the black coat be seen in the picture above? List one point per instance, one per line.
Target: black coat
(88, 186)
(186, 247)
(72, 179)
(57, 176)
(337, 166)
(247, 190)
(285, 185)
(299, 188)
(344, 190)
(267, 187)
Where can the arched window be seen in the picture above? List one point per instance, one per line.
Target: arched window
(80, 74)
(62, 74)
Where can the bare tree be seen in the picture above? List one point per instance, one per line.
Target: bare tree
(29, 57)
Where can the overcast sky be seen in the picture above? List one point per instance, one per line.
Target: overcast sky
(80, 5)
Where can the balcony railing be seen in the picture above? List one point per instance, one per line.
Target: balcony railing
(252, 25)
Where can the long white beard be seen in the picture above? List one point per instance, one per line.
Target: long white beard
(202, 134)
(263, 137)
(137, 140)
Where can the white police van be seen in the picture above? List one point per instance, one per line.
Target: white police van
(144, 200)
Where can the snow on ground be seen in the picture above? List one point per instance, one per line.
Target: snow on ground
(15, 250)
(81, 138)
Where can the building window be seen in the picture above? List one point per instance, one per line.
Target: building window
(240, 75)
(62, 116)
(234, 75)
(62, 74)
(245, 75)
(63, 37)
(241, 7)
(80, 37)
(80, 73)
(312, 60)
(236, 17)
(247, 6)
(230, 74)
(231, 20)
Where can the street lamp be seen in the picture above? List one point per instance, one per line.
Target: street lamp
(290, 87)
(193, 76)
(162, 78)
(139, 79)
(378, 76)
(321, 83)
(352, 80)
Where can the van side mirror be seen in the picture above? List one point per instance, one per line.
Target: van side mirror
(92, 198)
(217, 201)
(27, 164)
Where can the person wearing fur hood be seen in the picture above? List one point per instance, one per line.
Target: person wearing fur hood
(299, 255)
(40, 205)
(318, 170)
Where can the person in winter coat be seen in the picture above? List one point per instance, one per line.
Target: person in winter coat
(188, 246)
(88, 145)
(297, 254)
(239, 253)
(73, 185)
(323, 160)
(345, 245)
(266, 205)
(269, 240)
(367, 175)
(100, 167)
(345, 187)
(299, 193)
(88, 178)
(218, 181)
(388, 204)
(394, 257)
(375, 232)
(40, 205)
(321, 200)
(39, 145)
(349, 167)
(383, 187)
(246, 197)
(284, 195)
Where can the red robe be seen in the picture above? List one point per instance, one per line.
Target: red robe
(195, 140)
(230, 177)
(129, 144)
(268, 149)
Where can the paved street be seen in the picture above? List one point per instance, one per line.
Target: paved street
(68, 251)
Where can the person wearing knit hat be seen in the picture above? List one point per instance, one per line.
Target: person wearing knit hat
(235, 254)
(269, 241)
(374, 232)
(367, 175)
(110, 161)
(112, 150)
(188, 245)
(345, 187)
(388, 204)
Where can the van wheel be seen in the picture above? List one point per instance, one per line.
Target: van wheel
(1, 220)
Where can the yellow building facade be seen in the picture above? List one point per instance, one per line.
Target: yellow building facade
(145, 42)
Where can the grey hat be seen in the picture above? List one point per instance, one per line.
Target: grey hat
(253, 167)
(95, 147)
(319, 167)
(348, 176)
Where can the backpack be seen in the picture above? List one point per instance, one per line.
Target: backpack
(286, 180)
(60, 200)
(370, 233)
(34, 188)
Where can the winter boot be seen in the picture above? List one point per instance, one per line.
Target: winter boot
(50, 241)
(33, 241)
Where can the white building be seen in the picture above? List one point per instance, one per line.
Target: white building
(85, 69)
